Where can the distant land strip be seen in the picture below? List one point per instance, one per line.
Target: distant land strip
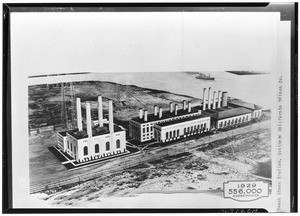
(246, 72)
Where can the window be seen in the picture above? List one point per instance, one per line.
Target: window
(170, 134)
(167, 135)
(147, 129)
(184, 130)
(107, 146)
(247, 118)
(74, 149)
(204, 126)
(143, 130)
(224, 123)
(71, 147)
(97, 148)
(232, 122)
(188, 130)
(195, 128)
(221, 124)
(118, 144)
(174, 133)
(178, 132)
(236, 120)
(85, 150)
(68, 144)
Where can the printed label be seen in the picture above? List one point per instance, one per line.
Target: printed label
(246, 190)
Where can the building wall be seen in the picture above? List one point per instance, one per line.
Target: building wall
(79, 154)
(257, 113)
(183, 129)
(233, 120)
(62, 142)
(145, 131)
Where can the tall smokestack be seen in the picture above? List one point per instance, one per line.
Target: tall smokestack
(171, 107)
(146, 115)
(189, 107)
(209, 99)
(204, 99)
(110, 116)
(224, 99)
(219, 99)
(214, 100)
(184, 105)
(79, 116)
(160, 112)
(141, 113)
(155, 110)
(100, 111)
(88, 120)
(176, 109)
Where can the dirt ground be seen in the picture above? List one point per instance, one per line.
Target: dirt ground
(44, 101)
(202, 168)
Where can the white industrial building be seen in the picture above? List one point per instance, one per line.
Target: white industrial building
(93, 142)
(146, 126)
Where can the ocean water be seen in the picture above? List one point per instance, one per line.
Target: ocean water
(251, 88)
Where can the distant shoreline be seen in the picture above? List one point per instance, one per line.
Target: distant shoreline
(246, 72)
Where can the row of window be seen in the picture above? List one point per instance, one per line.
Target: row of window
(85, 149)
(236, 121)
(186, 130)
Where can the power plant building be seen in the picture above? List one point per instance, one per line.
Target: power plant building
(106, 139)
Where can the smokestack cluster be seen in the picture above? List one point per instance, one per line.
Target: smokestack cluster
(79, 116)
(216, 101)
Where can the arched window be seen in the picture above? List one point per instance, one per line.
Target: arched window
(204, 127)
(85, 150)
(228, 122)
(107, 146)
(236, 120)
(174, 133)
(74, 149)
(118, 143)
(170, 133)
(188, 130)
(178, 132)
(221, 124)
(71, 147)
(232, 122)
(195, 128)
(184, 130)
(97, 148)
(225, 123)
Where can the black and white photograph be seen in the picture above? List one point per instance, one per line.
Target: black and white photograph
(151, 107)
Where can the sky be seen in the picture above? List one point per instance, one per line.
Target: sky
(50, 43)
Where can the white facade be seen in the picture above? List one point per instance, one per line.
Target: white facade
(145, 131)
(257, 113)
(62, 142)
(223, 123)
(97, 146)
(181, 129)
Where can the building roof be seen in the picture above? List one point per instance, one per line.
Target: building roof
(151, 118)
(96, 131)
(231, 113)
(177, 121)
(247, 105)
(63, 133)
(165, 115)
